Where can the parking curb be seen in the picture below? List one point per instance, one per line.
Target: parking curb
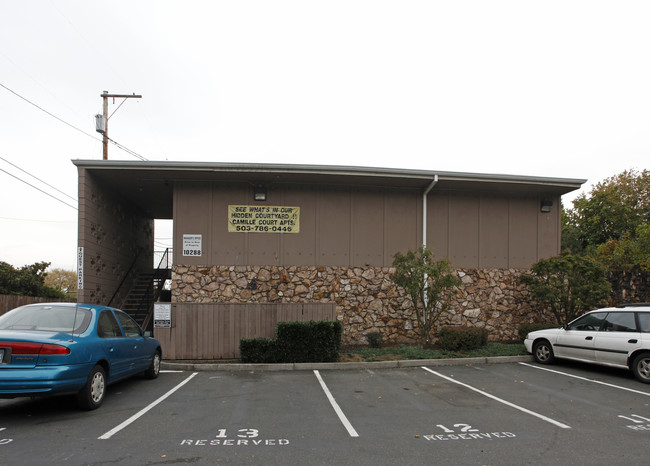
(307, 366)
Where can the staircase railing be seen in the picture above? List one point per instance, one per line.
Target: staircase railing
(165, 258)
(125, 276)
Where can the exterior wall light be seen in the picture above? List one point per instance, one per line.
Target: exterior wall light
(259, 193)
(546, 206)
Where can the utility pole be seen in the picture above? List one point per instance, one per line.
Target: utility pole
(101, 120)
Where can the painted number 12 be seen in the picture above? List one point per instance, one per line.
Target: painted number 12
(462, 427)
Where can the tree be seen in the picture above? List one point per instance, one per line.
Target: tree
(568, 285)
(62, 280)
(631, 252)
(28, 280)
(571, 234)
(614, 208)
(429, 285)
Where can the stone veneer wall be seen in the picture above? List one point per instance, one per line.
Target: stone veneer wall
(366, 299)
(629, 287)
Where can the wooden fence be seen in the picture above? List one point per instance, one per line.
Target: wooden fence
(213, 330)
(9, 301)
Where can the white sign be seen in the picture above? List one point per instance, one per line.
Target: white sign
(263, 219)
(80, 268)
(192, 245)
(162, 315)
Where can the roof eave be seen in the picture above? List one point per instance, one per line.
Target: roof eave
(426, 176)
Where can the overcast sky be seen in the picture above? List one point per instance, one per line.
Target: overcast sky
(553, 88)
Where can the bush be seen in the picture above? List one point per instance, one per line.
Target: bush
(257, 350)
(462, 338)
(428, 283)
(525, 329)
(295, 342)
(375, 339)
(568, 285)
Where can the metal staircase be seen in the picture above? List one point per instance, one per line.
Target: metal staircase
(140, 297)
(147, 289)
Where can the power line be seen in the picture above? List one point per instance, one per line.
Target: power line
(38, 189)
(37, 82)
(84, 41)
(126, 149)
(33, 176)
(117, 144)
(50, 114)
(36, 221)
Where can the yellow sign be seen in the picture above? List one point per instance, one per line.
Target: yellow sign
(263, 219)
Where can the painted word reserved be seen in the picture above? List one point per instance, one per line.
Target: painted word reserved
(466, 432)
(5, 441)
(243, 437)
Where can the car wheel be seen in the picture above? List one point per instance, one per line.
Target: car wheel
(543, 352)
(92, 395)
(154, 369)
(641, 367)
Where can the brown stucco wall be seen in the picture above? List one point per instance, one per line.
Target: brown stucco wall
(365, 227)
(366, 299)
(114, 235)
(489, 230)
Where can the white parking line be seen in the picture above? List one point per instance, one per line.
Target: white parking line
(586, 379)
(339, 412)
(140, 413)
(507, 403)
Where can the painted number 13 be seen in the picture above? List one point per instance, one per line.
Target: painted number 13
(243, 433)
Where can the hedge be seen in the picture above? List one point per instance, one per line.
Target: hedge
(462, 338)
(295, 342)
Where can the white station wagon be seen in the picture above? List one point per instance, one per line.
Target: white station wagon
(618, 337)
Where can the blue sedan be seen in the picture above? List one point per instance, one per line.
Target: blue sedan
(58, 348)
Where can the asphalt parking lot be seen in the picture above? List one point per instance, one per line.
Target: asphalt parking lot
(514, 413)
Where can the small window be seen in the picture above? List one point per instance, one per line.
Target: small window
(644, 321)
(130, 327)
(620, 322)
(589, 322)
(107, 326)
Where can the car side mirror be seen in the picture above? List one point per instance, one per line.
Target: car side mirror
(148, 333)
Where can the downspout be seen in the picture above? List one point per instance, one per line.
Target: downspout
(424, 209)
(424, 232)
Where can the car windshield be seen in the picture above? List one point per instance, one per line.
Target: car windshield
(47, 318)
